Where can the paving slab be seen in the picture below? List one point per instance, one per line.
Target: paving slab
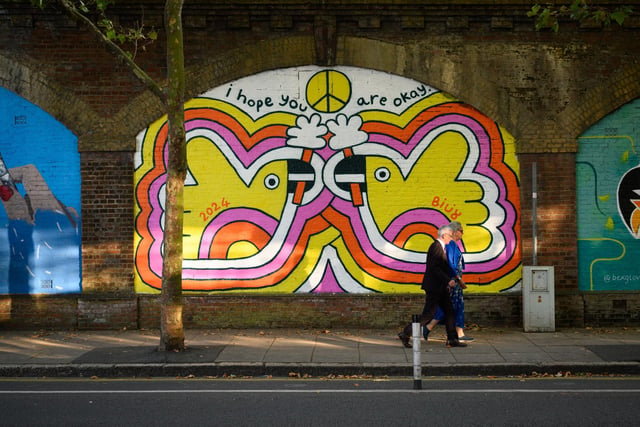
(145, 354)
(617, 353)
(256, 352)
(336, 350)
(468, 358)
(246, 349)
(537, 356)
(290, 350)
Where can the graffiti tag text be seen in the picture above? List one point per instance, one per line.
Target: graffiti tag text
(208, 213)
(444, 205)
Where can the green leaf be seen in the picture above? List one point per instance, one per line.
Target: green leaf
(619, 16)
(599, 16)
(102, 5)
(578, 10)
(105, 23)
(544, 19)
(550, 15)
(535, 9)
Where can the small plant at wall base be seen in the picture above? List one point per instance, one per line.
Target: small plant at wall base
(548, 16)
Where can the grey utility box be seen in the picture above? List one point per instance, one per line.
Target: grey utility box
(538, 302)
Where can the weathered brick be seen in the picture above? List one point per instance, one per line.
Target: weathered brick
(544, 88)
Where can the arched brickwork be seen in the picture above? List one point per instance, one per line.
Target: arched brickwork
(118, 132)
(544, 89)
(619, 89)
(22, 77)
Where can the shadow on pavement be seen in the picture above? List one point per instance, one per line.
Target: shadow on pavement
(617, 353)
(137, 354)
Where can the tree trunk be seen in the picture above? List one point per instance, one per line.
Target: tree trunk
(172, 330)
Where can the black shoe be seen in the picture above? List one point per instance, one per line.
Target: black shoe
(425, 332)
(455, 343)
(405, 339)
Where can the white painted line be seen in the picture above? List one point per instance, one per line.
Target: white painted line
(315, 391)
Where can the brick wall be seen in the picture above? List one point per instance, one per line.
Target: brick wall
(107, 223)
(107, 313)
(556, 215)
(33, 312)
(544, 88)
(323, 311)
(612, 309)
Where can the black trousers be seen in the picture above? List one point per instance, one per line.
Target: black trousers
(433, 300)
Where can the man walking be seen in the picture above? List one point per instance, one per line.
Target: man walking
(436, 283)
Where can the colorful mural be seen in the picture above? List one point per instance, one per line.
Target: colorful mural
(40, 196)
(330, 180)
(608, 199)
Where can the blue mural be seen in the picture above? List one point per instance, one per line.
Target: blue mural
(40, 196)
(608, 202)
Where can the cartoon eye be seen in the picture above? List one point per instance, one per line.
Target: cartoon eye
(382, 174)
(271, 181)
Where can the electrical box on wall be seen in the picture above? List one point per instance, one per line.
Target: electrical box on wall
(538, 302)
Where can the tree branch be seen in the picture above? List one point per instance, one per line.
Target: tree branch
(140, 74)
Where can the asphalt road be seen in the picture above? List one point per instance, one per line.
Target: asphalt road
(577, 401)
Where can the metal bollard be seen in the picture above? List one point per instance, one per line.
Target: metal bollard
(417, 365)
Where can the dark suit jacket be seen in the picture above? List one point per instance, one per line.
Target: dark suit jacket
(437, 275)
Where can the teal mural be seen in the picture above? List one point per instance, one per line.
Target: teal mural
(39, 201)
(608, 202)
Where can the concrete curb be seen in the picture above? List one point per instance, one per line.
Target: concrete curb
(260, 369)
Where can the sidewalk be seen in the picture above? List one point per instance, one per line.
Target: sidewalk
(317, 353)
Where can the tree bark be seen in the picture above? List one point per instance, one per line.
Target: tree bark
(171, 302)
(172, 330)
